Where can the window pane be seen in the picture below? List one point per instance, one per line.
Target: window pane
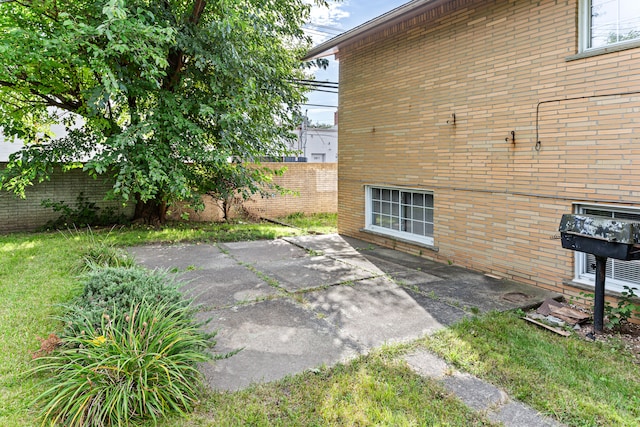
(428, 230)
(375, 207)
(428, 200)
(386, 208)
(418, 199)
(375, 194)
(386, 195)
(395, 196)
(614, 21)
(417, 228)
(418, 213)
(429, 215)
(395, 209)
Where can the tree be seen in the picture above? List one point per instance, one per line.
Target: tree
(161, 88)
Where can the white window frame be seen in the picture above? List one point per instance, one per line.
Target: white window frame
(584, 29)
(581, 274)
(399, 234)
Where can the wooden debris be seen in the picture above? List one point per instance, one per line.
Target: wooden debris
(562, 311)
(558, 331)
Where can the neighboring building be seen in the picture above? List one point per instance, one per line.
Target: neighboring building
(317, 144)
(468, 127)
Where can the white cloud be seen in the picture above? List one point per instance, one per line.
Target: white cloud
(329, 16)
(325, 22)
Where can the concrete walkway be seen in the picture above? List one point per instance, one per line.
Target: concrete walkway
(297, 303)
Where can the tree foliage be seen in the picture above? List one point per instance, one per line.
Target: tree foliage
(148, 90)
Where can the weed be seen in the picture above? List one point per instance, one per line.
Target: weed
(313, 252)
(627, 307)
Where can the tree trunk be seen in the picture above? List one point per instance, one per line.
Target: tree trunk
(152, 212)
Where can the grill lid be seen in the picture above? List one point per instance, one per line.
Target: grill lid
(601, 228)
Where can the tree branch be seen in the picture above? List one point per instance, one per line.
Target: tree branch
(176, 58)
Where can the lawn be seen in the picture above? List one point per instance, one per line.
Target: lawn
(578, 382)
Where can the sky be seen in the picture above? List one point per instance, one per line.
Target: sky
(327, 23)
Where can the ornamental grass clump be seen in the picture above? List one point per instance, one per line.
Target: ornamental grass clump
(114, 288)
(140, 364)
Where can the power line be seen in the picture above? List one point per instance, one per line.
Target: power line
(326, 91)
(321, 105)
(316, 85)
(316, 81)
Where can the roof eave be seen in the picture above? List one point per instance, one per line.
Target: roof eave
(399, 14)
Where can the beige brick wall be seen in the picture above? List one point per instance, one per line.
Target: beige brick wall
(314, 186)
(28, 214)
(497, 204)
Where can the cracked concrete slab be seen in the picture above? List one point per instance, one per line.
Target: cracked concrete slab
(181, 257)
(277, 337)
(263, 251)
(373, 312)
(225, 286)
(328, 244)
(311, 272)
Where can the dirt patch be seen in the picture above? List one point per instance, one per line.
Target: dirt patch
(628, 335)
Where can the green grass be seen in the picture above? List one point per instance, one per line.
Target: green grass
(580, 383)
(318, 223)
(374, 390)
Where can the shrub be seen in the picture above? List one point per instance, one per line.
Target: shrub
(84, 214)
(140, 363)
(116, 288)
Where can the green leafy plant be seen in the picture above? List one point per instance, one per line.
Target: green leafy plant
(84, 214)
(140, 363)
(627, 307)
(114, 288)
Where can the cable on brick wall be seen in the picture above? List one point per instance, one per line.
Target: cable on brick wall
(538, 142)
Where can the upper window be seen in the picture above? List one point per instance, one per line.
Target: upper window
(607, 22)
(619, 273)
(400, 213)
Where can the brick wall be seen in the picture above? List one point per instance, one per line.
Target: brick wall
(28, 214)
(314, 184)
(497, 204)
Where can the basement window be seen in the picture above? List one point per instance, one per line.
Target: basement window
(608, 22)
(619, 273)
(402, 213)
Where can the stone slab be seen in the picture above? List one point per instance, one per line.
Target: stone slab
(475, 290)
(263, 251)
(442, 311)
(517, 414)
(473, 392)
(311, 273)
(181, 257)
(374, 312)
(328, 244)
(225, 286)
(277, 337)
(427, 364)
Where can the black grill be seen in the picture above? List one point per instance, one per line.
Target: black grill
(605, 238)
